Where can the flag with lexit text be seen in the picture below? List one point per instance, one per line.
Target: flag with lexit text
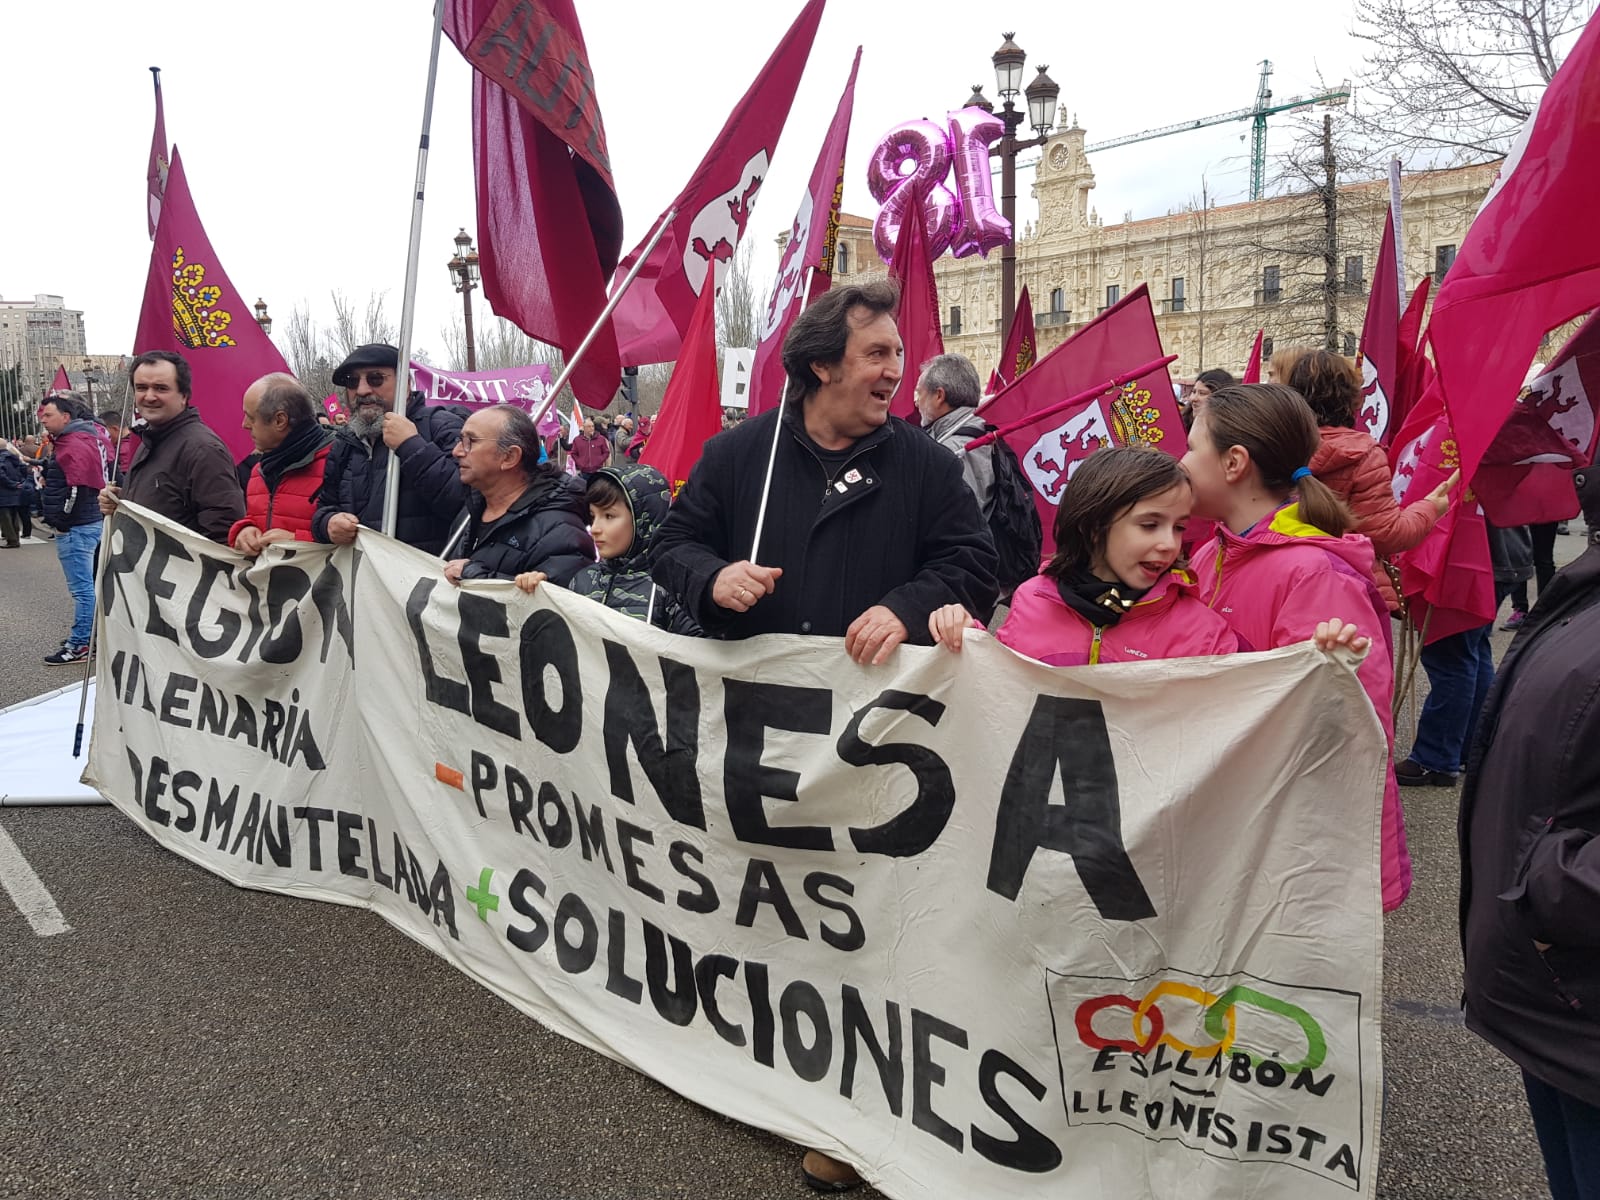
(797, 890)
(549, 223)
(521, 387)
(813, 237)
(713, 209)
(1121, 339)
(192, 307)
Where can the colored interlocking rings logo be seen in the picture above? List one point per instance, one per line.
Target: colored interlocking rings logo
(1150, 1027)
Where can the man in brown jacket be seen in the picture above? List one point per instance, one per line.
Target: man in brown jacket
(182, 469)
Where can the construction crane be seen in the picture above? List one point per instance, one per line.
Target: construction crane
(1257, 115)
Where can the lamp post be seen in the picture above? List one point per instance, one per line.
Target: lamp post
(1041, 96)
(88, 379)
(262, 319)
(464, 275)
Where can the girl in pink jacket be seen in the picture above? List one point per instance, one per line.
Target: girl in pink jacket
(1283, 559)
(1111, 592)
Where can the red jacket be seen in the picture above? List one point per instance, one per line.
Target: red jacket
(1357, 468)
(1169, 622)
(290, 506)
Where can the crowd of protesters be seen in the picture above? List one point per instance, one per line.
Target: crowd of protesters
(827, 517)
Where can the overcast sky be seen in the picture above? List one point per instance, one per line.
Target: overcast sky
(298, 122)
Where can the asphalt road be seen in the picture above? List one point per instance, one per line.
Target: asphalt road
(187, 1038)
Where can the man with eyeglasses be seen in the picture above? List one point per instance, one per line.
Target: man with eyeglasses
(522, 514)
(421, 440)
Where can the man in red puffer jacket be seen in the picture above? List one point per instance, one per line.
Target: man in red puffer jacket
(281, 496)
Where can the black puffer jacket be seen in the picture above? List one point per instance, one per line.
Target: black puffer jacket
(12, 472)
(892, 523)
(74, 473)
(1530, 844)
(431, 491)
(545, 529)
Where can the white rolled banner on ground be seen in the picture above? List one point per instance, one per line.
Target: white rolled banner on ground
(982, 927)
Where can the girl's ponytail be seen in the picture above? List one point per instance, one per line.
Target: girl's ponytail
(1321, 506)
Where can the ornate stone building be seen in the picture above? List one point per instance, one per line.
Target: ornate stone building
(1215, 274)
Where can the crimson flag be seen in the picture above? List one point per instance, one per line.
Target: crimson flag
(1526, 475)
(1252, 369)
(1413, 370)
(714, 207)
(691, 410)
(190, 306)
(60, 385)
(549, 224)
(1144, 410)
(918, 317)
(1447, 580)
(1022, 346)
(812, 240)
(1531, 259)
(1380, 341)
(156, 172)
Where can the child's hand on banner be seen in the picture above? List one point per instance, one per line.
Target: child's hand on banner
(1335, 634)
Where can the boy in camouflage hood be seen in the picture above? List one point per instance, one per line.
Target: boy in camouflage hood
(626, 507)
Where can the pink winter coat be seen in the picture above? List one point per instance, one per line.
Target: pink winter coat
(1169, 622)
(1273, 586)
(1356, 468)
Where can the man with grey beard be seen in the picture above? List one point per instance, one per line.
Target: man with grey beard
(421, 441)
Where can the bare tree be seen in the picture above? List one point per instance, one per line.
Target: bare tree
(352, 329)
(740, 303)
(1308, 237)
(1452, 81)
(306, 349)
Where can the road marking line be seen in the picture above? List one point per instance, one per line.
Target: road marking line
(27, 890)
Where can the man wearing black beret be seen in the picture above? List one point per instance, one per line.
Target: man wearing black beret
(420, 439)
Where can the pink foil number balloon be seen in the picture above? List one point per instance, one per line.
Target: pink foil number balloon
(923, 146)
(980, 228)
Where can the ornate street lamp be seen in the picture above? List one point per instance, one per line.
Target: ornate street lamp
(464, 275)
(1040, 98)
(262, 319)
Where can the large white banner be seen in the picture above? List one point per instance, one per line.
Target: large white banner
(982, 927)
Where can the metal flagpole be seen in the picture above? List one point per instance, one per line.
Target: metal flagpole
(99, 565)
(408, 309)
(1399, 238)
(576, 357)
(772, 454)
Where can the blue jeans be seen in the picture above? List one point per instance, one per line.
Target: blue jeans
(1460, 669)
(76, 549)
(1569, 1137)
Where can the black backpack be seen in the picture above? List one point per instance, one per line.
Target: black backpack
(1012, 517)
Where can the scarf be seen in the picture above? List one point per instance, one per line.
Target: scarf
(1096, 601)
(296, 450)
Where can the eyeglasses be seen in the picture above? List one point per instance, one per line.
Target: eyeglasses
(471, 440)
(375, 379)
